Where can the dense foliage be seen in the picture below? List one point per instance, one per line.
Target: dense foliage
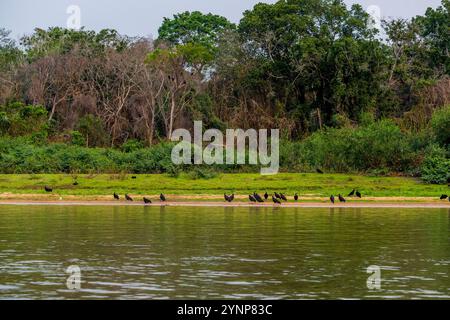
(314, 68)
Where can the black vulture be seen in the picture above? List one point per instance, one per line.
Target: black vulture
(48, 189)
(128, 198)
(116, 196)
(227, 198)
(351, 194)
(134, 177)
(162, 197)
(332, 199)
(341, 198)
(275, 200)
(147, 200)
(258, 197)
(266, 196)
(283, 197)
(319, 171)
(75, 183)
(358, 194)
(443, 197)
(277, 196)
(296, 197)
(251, 198)
(231, 198)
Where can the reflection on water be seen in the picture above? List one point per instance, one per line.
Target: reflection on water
(207, 253)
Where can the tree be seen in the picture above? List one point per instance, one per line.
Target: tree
(179, 87)
(10, 54)
(435, 29)
(314, 55)
(194, 27)
(195, 35)
(61, 41)
(10, 58)
(54, 80)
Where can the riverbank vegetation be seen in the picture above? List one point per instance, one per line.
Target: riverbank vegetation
(192, 187)
(348, 98)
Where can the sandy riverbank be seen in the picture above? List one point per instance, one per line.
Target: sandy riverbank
(430, 205)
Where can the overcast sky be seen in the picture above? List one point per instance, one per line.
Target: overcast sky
(142, 18)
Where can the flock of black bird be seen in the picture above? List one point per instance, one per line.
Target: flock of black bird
(162, 198)
(277, 198)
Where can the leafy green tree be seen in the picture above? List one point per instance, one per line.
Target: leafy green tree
(10, 54)
(18, 119)
(435, 29)
(194, 27)
(196, 36)
(314, 54)
(60, 41)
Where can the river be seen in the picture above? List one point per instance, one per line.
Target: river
(223, 253)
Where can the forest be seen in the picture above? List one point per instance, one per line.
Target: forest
(347, 97)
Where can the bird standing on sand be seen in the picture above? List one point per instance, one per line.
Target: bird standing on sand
(147, 201)
(277, 196)
(341, 199)
(443, 197)
(251, 198)
(128, 198)
(296, 197)
(275, 200)
(283, 197)
(258, 197)
(358, 194)
(231, 198)
(351, 194)
(116, 196)
(162, 197)
(332, 199)
(48, 189)
(227, 198)
(266, 196)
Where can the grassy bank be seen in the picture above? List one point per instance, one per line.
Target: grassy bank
(309, 186)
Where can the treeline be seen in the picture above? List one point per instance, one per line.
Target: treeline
(316, 69)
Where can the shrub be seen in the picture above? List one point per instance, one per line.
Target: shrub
(132, 145)
(440, 124)
(381, 145)
(77, 139)
(17, 119)
(435, 168)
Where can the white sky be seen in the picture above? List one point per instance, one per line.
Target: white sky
(142, 18)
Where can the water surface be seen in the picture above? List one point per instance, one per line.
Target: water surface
(223, 253)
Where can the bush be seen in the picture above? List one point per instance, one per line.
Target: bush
(132, 145)
(381, 145)
(440, 124)
(77, 139)
(17, 119)
(435, 168)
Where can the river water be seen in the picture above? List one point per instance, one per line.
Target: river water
(223, 253)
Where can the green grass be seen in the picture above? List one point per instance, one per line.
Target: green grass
(304, 184)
